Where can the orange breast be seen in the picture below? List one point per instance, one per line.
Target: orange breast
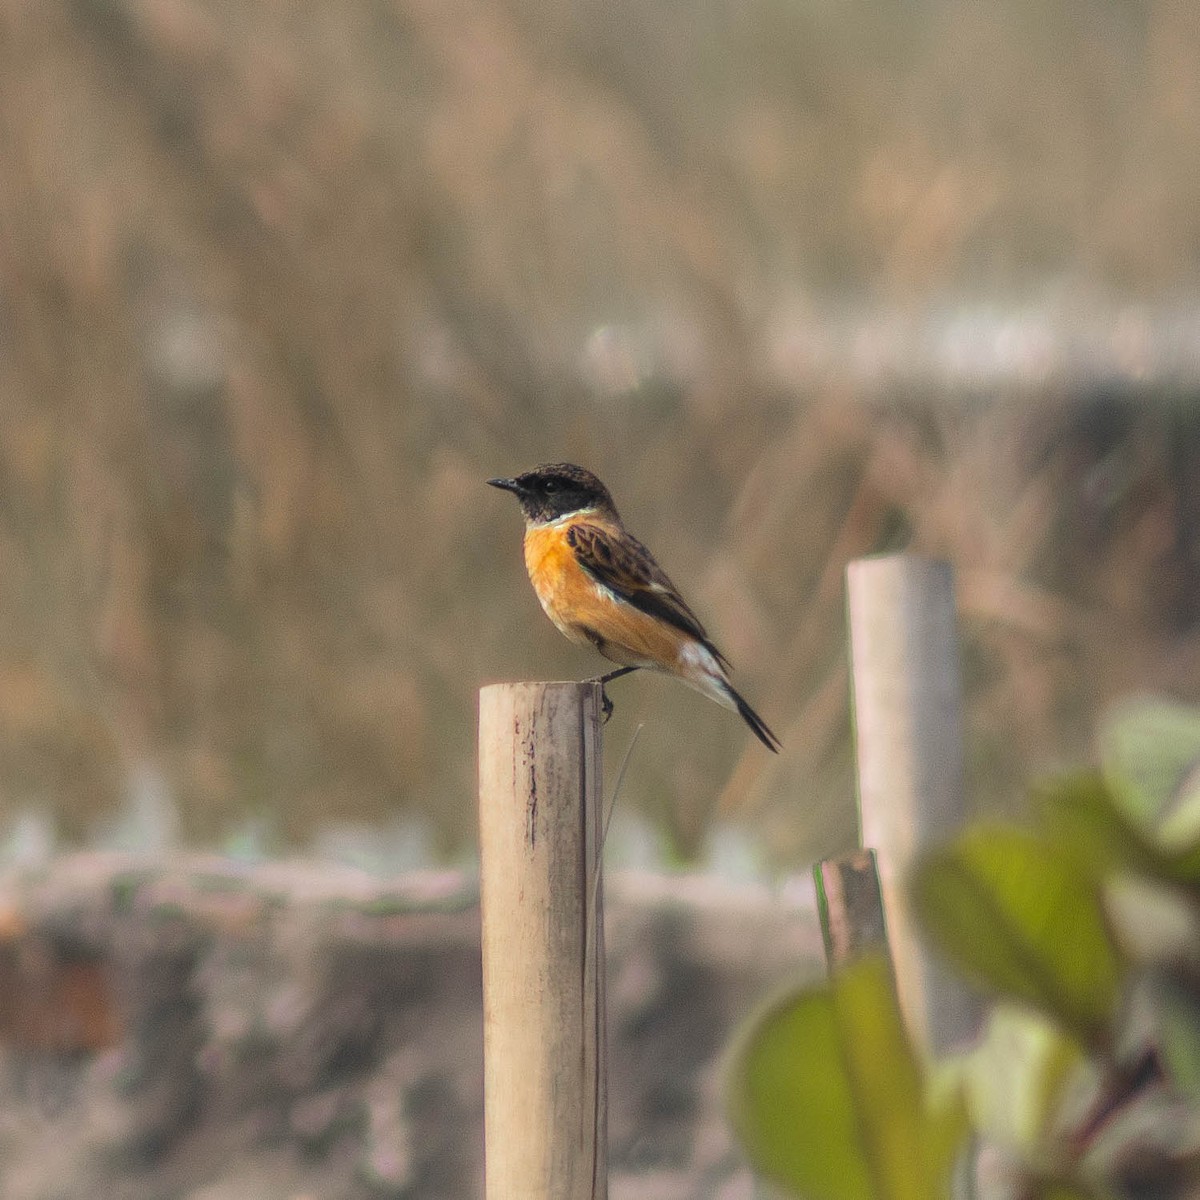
(584, 611)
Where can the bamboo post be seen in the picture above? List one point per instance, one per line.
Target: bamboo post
(851, 907)
(545, 1081)
(907, 706)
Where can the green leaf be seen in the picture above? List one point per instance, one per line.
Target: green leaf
(1183, 865)
(1087, 815)
(1082, 814)
(1016, 1077)
(1017, 915)
(826, 1095)
(1150, 748)
(1152, 921)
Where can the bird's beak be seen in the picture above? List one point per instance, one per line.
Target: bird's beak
(508, 485)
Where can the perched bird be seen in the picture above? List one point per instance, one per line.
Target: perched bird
(602, 587)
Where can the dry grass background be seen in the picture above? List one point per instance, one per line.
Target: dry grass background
(282, 283)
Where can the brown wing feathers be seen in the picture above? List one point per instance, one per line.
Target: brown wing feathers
(620, 562)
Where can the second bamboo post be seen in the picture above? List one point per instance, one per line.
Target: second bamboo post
(908, 735)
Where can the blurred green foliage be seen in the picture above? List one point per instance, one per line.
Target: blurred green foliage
(1000, 897)
(1085, 1082)
(826, 1094)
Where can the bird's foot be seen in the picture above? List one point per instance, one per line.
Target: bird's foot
(606, 705)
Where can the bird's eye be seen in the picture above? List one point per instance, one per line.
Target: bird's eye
(551, 485)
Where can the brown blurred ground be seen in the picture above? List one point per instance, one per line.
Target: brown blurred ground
(280, 284)
(299, 1031)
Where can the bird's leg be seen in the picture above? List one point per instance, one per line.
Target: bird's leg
(609, 676)
(606, 705)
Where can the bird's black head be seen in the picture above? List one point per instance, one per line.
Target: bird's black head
(556, 490)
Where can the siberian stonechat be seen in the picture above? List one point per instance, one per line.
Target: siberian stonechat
(602, 587)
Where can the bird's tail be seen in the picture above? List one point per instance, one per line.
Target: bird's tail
(757, 725)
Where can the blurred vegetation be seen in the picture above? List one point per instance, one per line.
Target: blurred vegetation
(1085, 1083)
(280, 285)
